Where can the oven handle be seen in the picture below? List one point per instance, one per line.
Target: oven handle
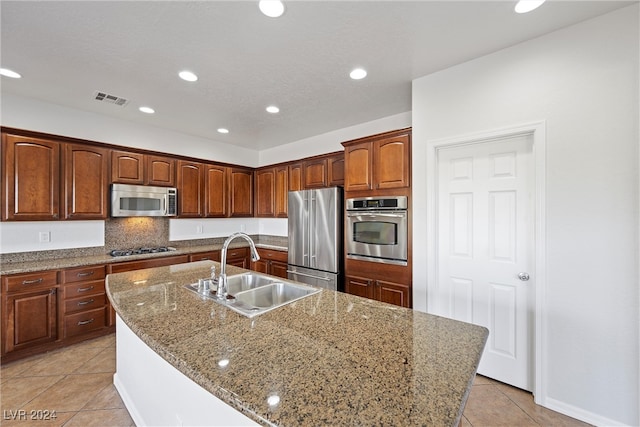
(352, 214)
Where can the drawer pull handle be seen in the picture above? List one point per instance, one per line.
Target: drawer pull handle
(85, 289)
(85, 322)
(88, 273)
(81, 303)
(31, 282)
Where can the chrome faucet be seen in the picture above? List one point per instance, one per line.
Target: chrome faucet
(222, 279)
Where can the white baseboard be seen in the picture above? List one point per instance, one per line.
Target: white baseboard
(580, 414)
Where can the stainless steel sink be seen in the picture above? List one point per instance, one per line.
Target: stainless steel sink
(273, 295)
(252, 294)
(246, 281)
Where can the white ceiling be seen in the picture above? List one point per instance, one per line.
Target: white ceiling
(245, 61)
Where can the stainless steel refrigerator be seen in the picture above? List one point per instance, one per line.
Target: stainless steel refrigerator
(315, 237)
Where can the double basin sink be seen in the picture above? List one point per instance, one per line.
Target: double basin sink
(252, 294)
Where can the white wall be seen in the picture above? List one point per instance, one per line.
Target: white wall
(32, 236)
(583, 81)
(330, 141)
(204, 228)
(31, 114)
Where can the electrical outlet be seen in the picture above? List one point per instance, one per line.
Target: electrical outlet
(44, 236)
(199, 229)
(242, 227)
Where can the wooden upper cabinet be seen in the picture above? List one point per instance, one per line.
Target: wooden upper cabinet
(281, 191)
(358, 159)
(190, 184)
(391, 162)
(379, 162)
(272, 191)
(335, 168)
(295, 176)
(314, 173)
(216, 191)
(127, 168)
(31, 178)
(136, 168)
(241, 192)
(265, 192)
(86, 181)
(161, 171)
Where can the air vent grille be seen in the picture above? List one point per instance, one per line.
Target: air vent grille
(110, 99)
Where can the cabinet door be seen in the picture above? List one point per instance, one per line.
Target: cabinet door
(295, 177)
(314, 173)
(279, 269)
(358, 166)
(391, 162)
(31, 319)
(190, 189)
(161, 171)
(216, 191)
(335, 167)
(359, 286)
(85, 182)
(261, 266)
(265, 192)
(127, 168)
(281, 192)
(31, 178)
(241, 192)
(393, 293)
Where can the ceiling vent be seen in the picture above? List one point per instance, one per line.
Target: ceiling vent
(110, 99)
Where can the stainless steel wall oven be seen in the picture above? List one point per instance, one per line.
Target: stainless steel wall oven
(377, 229)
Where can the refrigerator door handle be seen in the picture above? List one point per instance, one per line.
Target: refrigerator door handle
(313, 217)
(308, 275)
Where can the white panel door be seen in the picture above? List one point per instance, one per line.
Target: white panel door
(485, 241)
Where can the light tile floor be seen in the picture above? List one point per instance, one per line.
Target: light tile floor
(77, 383)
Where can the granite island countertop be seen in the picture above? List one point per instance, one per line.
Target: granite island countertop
(332, 358)
(55, 263)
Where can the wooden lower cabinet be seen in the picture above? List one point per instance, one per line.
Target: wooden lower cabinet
(85, 300)
(380, 290)
(205, 256)
(239, 257)
(271, 262)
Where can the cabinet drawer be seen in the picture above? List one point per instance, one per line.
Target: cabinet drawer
(88, 302)
(237, 253)
(82, 289)
(205, 256)
(26, 282)
(83, 322)
(85, 273)
(272, 254)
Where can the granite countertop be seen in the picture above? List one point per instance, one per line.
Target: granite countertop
(332, 358)
(80, 261)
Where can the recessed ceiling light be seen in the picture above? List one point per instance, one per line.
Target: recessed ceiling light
(147, 110)
(9, 73)
(524, 6)
(271, 8)
(223, 130)
(273, 109)
(358, 73)
(188, 76)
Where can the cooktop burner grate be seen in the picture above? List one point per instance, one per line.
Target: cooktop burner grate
(140, 251)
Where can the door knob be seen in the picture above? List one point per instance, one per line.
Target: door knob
(523, 276)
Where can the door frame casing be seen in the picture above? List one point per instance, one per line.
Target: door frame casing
(538, 131)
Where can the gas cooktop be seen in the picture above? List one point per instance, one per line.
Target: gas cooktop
(140, 251)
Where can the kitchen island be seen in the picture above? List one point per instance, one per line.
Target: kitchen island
(328, 359)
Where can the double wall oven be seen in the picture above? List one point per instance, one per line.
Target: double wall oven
(376, 229)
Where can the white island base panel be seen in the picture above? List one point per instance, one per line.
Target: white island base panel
(157, 394)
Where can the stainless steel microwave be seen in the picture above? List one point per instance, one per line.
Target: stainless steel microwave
(377, 229)
(143, 200)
